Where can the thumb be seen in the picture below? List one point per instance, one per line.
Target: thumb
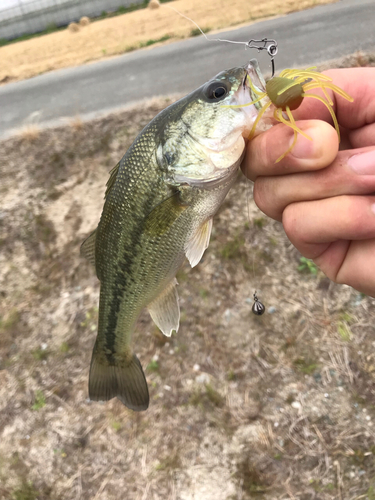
(267, 147)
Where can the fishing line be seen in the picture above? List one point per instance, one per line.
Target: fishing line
(203, 33)
(270, 46)
(258, 308)
(267, 44)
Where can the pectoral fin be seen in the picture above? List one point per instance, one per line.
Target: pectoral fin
(164, 215)
(195, 247)
(165, 310)
(88, 248)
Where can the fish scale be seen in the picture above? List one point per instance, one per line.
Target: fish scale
(160, 201)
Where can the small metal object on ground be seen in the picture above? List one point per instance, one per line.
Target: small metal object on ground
(258, 308)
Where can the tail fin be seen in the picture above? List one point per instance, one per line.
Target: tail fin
(120, 378)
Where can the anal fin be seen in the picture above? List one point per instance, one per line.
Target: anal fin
(195, 247)
(165, 309)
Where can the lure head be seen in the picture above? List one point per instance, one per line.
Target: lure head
(285, 92)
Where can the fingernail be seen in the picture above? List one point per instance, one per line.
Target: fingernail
(363, 163)
(304, 148)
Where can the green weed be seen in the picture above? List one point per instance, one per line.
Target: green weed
(170, 462)
(197, 32)
(64, 348)
(10, 321)
(306, 366)
(59, 451)
(252, 481)
(91, 318)
(361, 456)
(233, 249)
(203, 398)
(25, 492)
(215, 397)
(51, 27)
(371, 493)
(307, 266)
(318, 486)
(40, 354)
(344, 331)
(153, 366)
(347, 317)
(259, 222)
(116, 426)
(39, 401)
(152, 41)
(273, 241)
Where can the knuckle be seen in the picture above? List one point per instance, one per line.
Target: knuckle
(267, 198)
(261, 194)
(290, 220)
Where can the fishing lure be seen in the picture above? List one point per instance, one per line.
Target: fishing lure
(287, 91)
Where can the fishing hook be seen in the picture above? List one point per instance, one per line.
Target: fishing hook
(269, 45)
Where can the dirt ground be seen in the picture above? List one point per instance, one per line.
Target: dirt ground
(280, 406)
(131, 31)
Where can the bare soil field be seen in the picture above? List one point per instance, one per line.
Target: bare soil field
(280, 406)
(132, 31)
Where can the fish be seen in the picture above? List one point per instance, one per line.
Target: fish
(160, 201)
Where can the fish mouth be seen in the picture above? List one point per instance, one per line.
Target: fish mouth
(244, 82)
(254, 73)
(251, 87)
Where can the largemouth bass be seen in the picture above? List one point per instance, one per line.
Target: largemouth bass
(159, 204)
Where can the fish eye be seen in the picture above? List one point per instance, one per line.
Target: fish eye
(216, 91)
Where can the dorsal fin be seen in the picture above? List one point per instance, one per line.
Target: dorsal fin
(112, 178)
(88, 248)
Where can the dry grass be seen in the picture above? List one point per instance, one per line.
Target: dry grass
(276, 407)
(76, 123)
(84, 21)
(73, 27)
(153, 4)
(133, 30)
(30, 133)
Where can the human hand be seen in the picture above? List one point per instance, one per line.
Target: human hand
(324, 197)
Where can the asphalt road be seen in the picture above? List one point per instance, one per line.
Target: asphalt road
(305, 38)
